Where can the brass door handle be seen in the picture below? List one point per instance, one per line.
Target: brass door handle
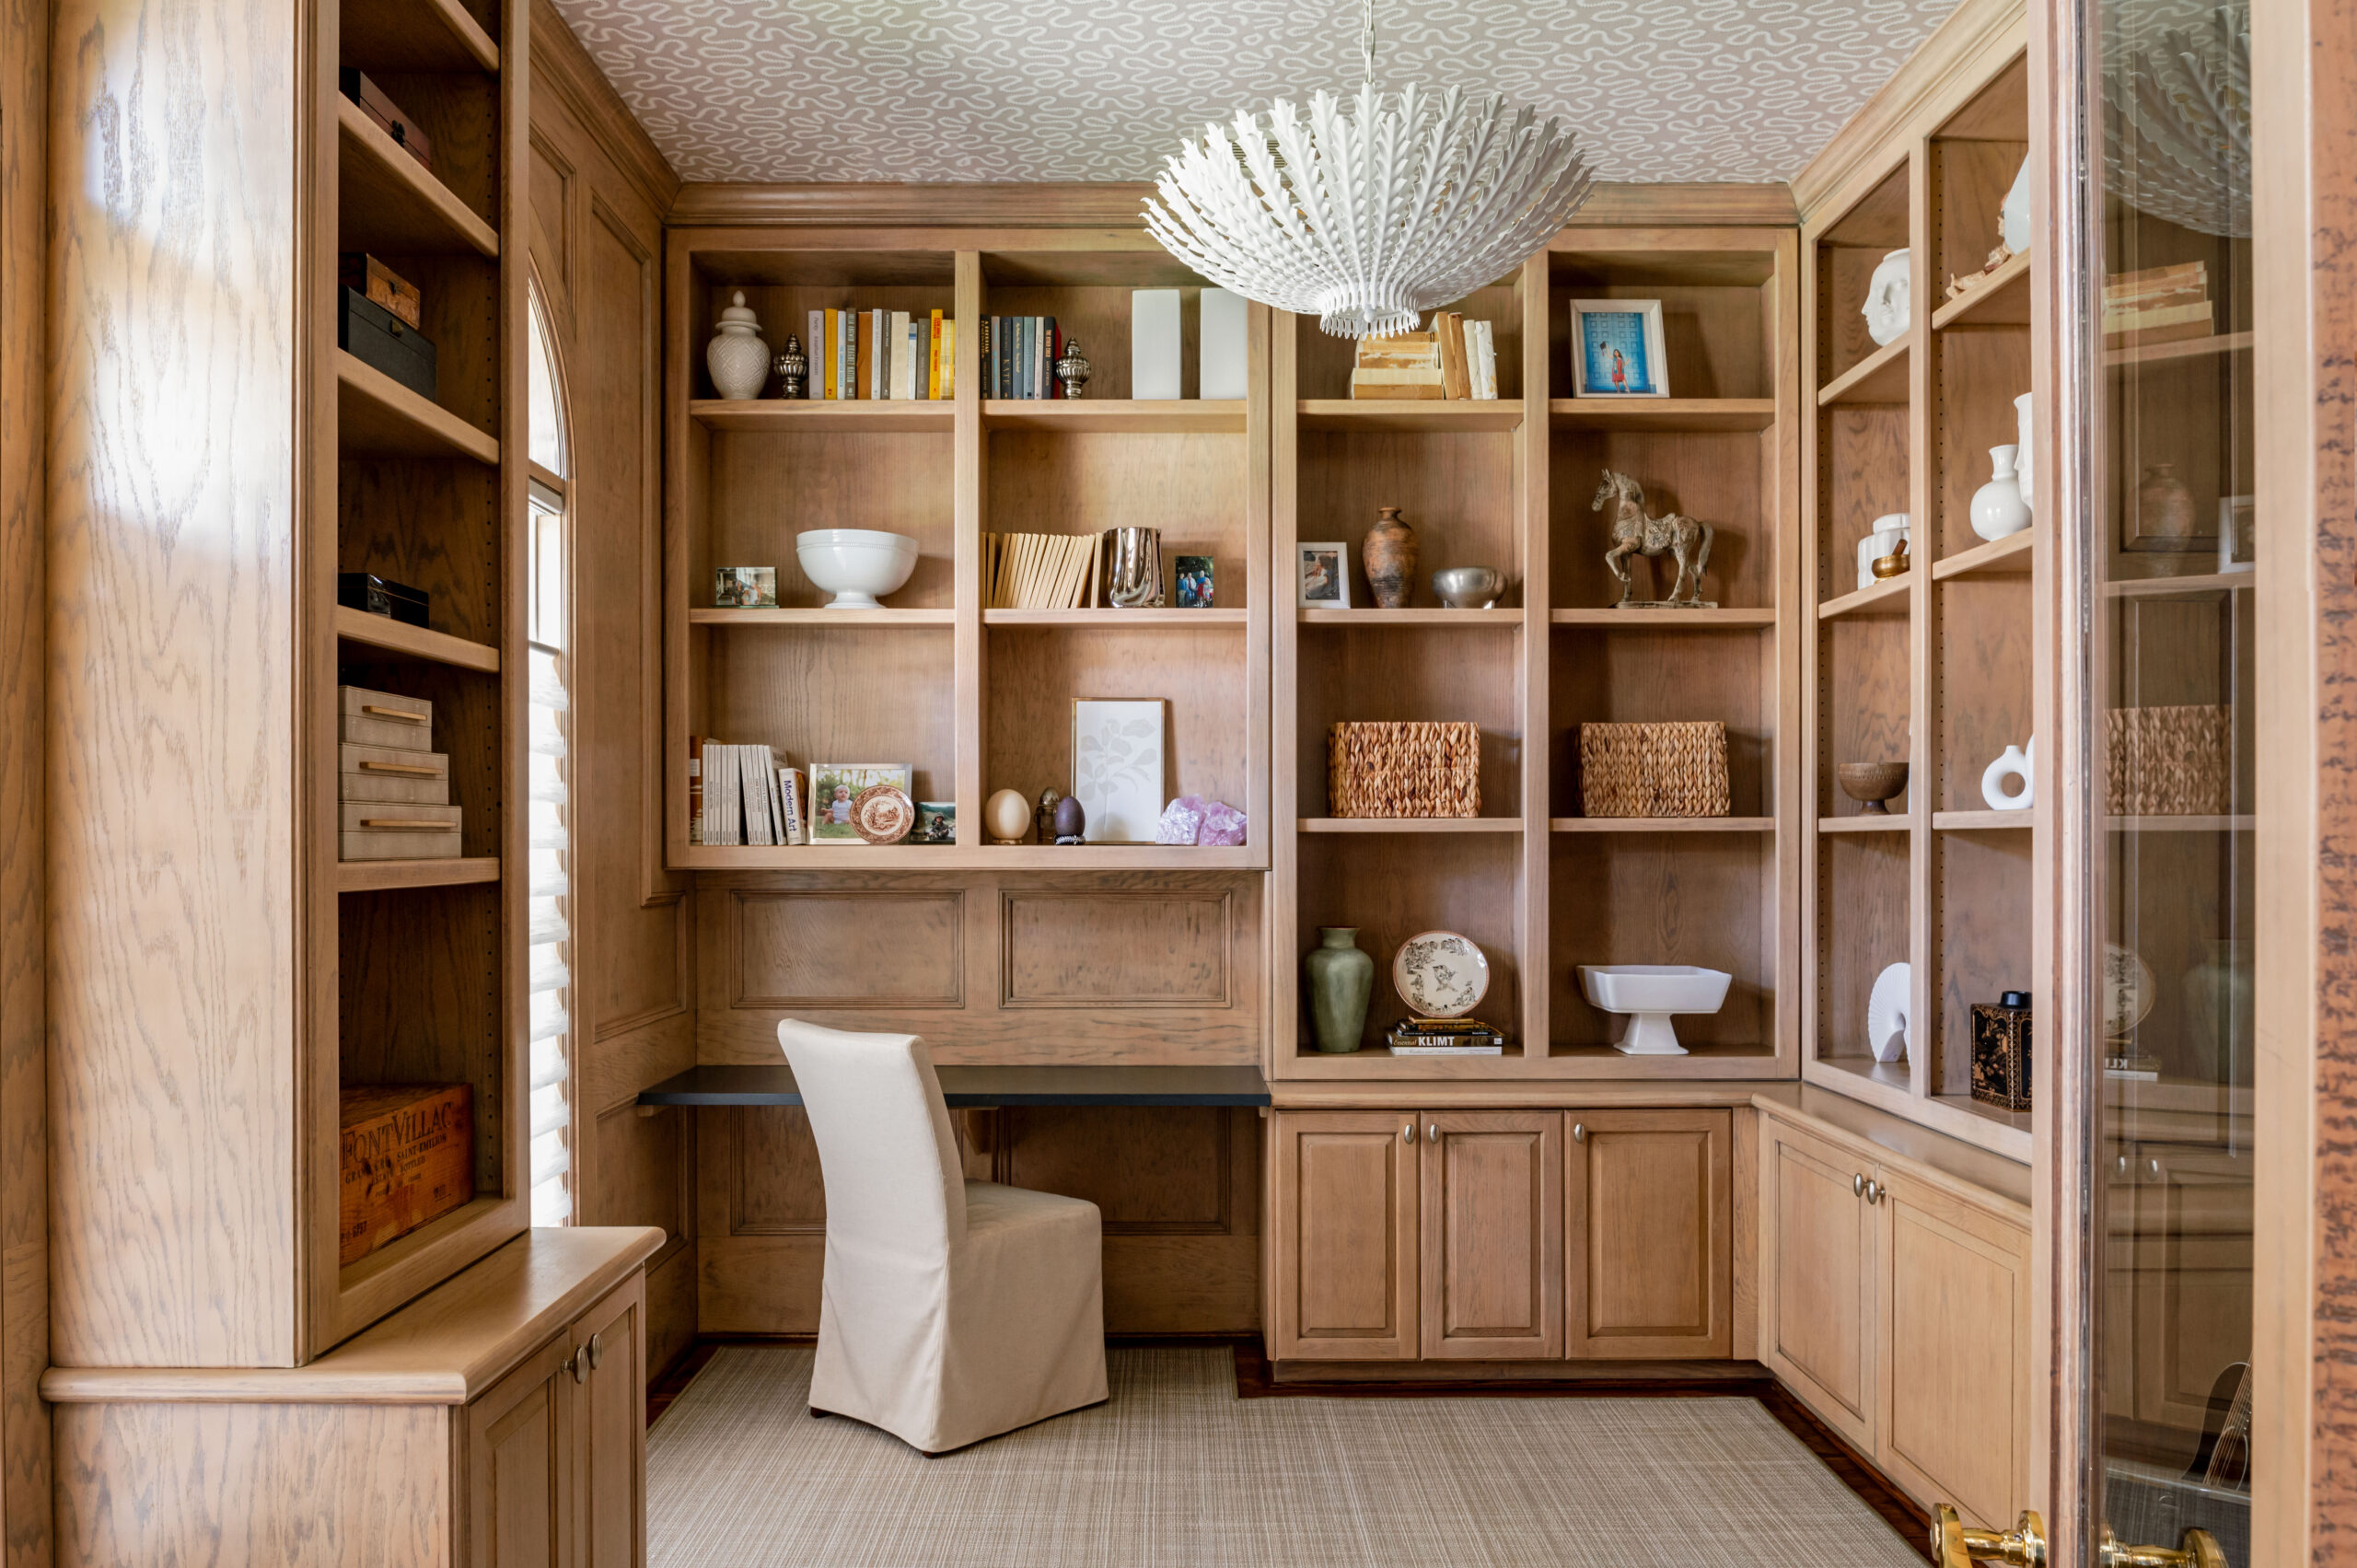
(2197, 1548)
(1955, 1545)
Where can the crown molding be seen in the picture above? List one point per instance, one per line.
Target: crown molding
(563, 69)
(1928, 86)
(1116, 205)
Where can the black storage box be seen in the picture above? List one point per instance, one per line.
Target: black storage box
(365, 590)
(377, 338)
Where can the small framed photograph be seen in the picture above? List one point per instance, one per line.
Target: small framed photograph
(1194, 572)
(744, 588)
(2237, 533)
(1322, 573)
(833, 787)
(1617, 349)
(936, 822)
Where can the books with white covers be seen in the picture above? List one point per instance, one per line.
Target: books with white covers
(1448, 1050)
(904, 380)
(1221, 355)
(1154, 344)
(753, 780)
(1482, 357)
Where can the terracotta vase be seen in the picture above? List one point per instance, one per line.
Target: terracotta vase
(1388, 553)
(2165, 510)
(1342, 981)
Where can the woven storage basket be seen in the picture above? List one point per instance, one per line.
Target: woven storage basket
(1654, 770)
(1404, 769)
(2169, 762)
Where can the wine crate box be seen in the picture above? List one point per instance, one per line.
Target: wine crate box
(407, 1157)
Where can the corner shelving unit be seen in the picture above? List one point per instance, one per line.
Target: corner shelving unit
(1934, 667)
(423, 959)
(1506, 483)
(974, 699)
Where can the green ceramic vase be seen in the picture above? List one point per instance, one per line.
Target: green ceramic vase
(1340, 979)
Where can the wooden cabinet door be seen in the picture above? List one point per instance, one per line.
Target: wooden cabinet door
(1817, 1300)
(519, 1466)
(610, 1350)
(1343, 1278)
(1493, 1235)
(1954, 1412)
(1647, 1196)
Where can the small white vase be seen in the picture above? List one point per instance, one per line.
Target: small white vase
(2024, 420)
(2013, 214)
(737, 358)
(1887, 298)
(2015, 763)
(1998, 509)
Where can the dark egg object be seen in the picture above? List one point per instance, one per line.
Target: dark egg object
(1072, 822)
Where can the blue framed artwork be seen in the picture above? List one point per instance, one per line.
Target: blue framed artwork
(1617, 349)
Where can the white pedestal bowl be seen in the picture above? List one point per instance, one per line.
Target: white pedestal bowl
(855, 564)
(1649, 994)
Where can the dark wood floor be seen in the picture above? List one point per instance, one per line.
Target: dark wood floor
(1255, 1379)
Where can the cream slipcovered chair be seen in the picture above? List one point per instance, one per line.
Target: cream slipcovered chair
(952, 1310)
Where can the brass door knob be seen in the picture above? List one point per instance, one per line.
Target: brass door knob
(1955, 1545)
(2198, 1548)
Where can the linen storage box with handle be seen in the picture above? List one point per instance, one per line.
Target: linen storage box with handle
(1409, 769)
(1654, 770)
(393, 788)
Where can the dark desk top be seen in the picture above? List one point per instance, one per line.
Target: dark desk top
(972, 1087)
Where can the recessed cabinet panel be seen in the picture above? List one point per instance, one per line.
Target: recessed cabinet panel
(1647, 1196)
(1816, 1268)
(1345, 1276)
(1492, 1261)
(520, 1467)
(611, 1458)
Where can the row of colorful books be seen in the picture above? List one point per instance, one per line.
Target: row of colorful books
(882, 353)
(1019, 355)
(1454, 358)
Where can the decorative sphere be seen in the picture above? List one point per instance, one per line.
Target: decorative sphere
(1072, 822)
(1008, 817)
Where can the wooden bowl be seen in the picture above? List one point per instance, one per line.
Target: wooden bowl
(1871, 783)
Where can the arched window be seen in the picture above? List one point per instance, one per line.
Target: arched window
(547, 620)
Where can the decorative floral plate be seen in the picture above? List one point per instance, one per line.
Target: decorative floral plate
(1440, 974)
(883, 814)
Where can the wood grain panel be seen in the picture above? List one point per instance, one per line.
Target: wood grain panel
(1068, 949)
(428, 522)
(1727, 478)
(1983, 692)
(769, 1163)
(1199, 671)
(1648, 1249)
(1344, 1267)
(640, 1172)
(172, 690)
(807, 692)
(1151, 1170)
(1492, 1276)
(1862, 928)
(1863, 707)
(1862, 475)
(1818, 1264)
(1664, 899)
(1981, 925)
(670, 1310)
(519, 1476)
(813, 949)
(367, 1486)
(610, 1431)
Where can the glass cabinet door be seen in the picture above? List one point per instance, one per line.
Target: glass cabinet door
(2167, 556)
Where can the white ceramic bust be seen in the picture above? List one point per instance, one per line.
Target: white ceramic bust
(1887, 298)
(2013, 218)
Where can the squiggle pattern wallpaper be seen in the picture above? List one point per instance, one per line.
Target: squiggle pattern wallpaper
(1103, 90)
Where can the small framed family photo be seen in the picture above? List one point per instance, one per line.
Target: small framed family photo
(1322, 573)
(1617, 349)
(744, 588)
(833, 787)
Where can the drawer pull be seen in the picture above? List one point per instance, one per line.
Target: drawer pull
(400, 768)
(402, 715)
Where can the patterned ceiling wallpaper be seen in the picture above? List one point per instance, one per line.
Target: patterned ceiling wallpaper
(1102, 89)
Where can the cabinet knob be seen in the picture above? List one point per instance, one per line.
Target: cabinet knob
(1432, 1131)
(1874, 1191)
(578, 1366)
(1408, 1133)
(1579, 1133)
(597, 1350)
(1857, 1184)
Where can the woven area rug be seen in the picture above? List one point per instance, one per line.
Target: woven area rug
(1176, 1470)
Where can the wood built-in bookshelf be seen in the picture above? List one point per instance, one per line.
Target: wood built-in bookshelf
(1508, 485)
(423, 960)
(1935, 666)
(974, 700)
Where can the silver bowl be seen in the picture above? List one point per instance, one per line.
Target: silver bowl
(1468, 588)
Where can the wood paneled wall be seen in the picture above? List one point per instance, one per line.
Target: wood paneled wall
(24, 1152)
(598, 189)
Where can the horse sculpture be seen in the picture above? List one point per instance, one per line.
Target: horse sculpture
(1633, 533)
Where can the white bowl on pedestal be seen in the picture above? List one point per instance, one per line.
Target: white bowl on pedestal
(855, 564)
(1649, 994)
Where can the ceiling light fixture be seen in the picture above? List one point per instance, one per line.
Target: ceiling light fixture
(1368, 220)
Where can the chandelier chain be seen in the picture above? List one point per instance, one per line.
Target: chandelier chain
(1367, 37)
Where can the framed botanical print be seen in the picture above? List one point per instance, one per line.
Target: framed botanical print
(1617, 349)
(1117, 767)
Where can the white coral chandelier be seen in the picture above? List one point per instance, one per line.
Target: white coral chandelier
(1367, 221)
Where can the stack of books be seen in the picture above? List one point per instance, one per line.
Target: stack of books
(737, 795)
(1039, 571)
(1456, 359)
(2159, 305)
(881, 354)
(1019, 355)
(1445, 1036)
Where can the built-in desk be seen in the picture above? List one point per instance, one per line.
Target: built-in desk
(971, 1088)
